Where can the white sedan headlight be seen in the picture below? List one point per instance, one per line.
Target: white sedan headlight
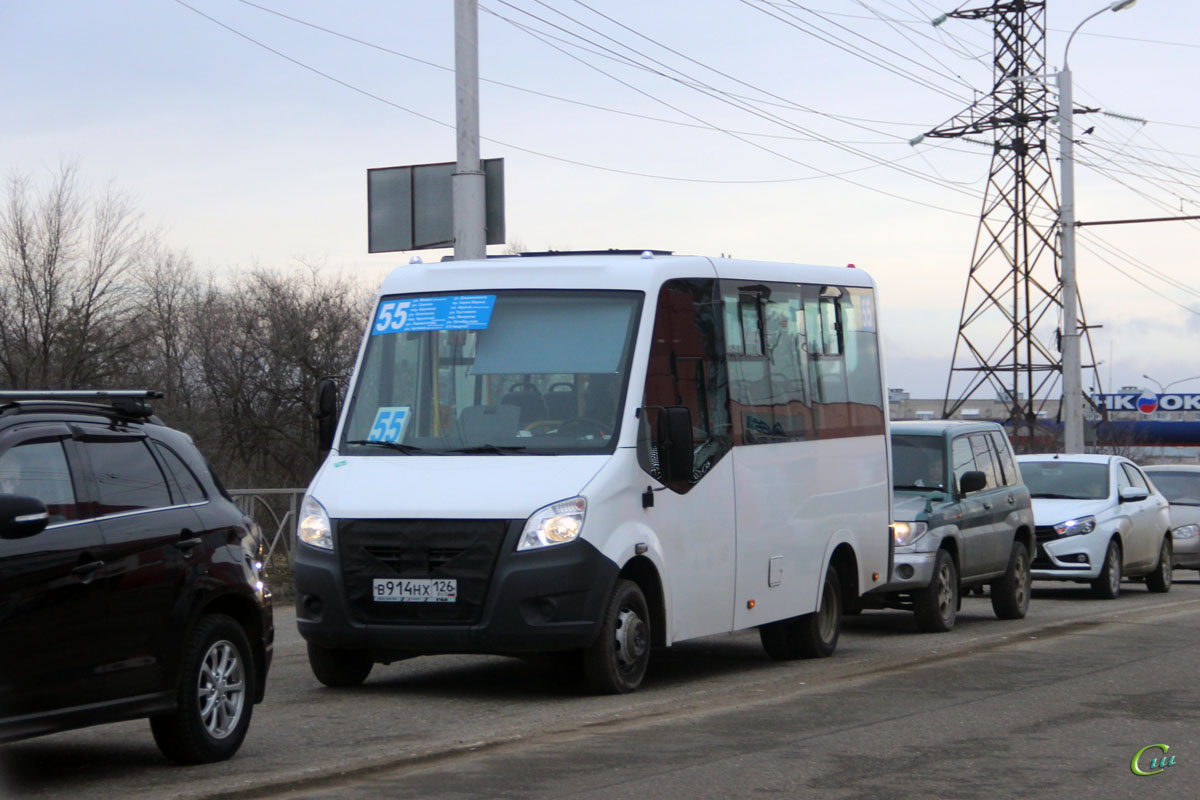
(314, 528)
(557, 523)
(1075, 527)
(1186, 532)
(906, 533)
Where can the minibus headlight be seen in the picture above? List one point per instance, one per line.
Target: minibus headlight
(557, 523)
(314, 528)
(1074, 527)
(906, 533)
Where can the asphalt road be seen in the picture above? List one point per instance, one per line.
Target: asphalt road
(1053, 705)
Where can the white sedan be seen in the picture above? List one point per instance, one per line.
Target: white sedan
(1180, 484)
(1098, 520)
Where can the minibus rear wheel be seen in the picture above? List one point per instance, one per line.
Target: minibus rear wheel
(812, 635)
(616, 662)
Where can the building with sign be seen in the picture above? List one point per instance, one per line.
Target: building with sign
(1155, 426)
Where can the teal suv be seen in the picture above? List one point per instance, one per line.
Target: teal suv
(963, 519)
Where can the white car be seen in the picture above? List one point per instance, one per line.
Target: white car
(1180, 484)
(1098, 519)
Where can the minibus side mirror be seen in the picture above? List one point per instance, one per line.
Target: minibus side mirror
(972, 481)
(21, 516)
(327, 413)
(675, 443)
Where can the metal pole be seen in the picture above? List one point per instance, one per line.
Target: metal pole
(1072, 369)
(1072, 404)
(470, 239)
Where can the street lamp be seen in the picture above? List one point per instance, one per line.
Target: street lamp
(1072, 368)
(1163, 389)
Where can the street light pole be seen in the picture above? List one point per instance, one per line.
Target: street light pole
(1163, 389)
(467, 184)
(1071, 363)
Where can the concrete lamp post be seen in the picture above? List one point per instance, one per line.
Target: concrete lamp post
(1072, 367)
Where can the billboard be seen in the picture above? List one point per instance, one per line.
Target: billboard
(412, 208)
(1147, 402)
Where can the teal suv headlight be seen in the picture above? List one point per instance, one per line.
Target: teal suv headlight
(905, 533)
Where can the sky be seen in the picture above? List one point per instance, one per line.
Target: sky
(766, 129)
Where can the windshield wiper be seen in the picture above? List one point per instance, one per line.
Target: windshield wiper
(489, 448)
(915, 488)
(1053, 496)
(407, 449)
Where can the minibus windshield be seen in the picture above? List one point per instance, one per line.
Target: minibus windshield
(493, 373)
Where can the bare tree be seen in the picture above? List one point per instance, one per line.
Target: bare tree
(262, 346)
(88, 299)
(65, 261)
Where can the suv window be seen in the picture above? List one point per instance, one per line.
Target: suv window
(189, 486)
(127, 476)
(961, 458)
(39, 469)
(983, 459)
(1004, 453)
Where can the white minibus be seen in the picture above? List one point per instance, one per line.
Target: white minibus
(598, 454)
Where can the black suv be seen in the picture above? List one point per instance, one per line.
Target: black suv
(129, 581)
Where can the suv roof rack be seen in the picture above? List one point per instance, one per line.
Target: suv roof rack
(126, 402)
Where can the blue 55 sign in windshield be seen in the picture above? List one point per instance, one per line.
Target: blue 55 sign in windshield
(445, 313)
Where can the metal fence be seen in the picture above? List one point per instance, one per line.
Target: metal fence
(275, 510)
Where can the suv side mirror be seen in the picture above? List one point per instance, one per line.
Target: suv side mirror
(326, 414)
(21, 516)
(1133, 494)
(972, 481)
(675, 443)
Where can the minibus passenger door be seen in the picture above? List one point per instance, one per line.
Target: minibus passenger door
(684, 438)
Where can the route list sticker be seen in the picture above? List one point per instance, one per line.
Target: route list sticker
(444, 313)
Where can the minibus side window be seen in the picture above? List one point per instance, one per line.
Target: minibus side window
(769, 392)
(843, 350)
(686, 368)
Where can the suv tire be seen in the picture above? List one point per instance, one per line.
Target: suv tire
(813, 635)
(215, 695)
(935, 607)
(339, 669)
(1010, 594)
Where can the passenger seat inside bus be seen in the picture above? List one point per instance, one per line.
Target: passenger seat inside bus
(489, 423)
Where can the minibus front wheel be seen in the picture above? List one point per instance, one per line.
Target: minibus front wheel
(616, 662)
(339, 668)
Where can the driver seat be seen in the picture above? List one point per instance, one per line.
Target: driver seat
(529, 401)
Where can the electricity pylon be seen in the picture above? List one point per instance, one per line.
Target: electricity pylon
(1009, 327)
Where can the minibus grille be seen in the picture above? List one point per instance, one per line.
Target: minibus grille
(464, 550)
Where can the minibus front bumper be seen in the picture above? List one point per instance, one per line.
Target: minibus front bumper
(542, 600)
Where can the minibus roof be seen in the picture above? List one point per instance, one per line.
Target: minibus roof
(639, 272)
